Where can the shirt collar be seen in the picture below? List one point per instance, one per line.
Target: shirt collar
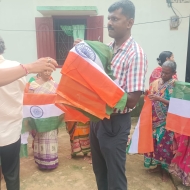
(124, 45)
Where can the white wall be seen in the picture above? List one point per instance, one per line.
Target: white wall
(154, 38)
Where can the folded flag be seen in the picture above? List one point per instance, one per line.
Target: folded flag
(40, 113)
(142, 139)
(71, 114)
(88, 64)
(178, 116)
(79, 96)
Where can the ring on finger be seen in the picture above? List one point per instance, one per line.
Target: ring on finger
(49, 60)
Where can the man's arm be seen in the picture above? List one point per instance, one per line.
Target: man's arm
(8, 75)
(136, 79)
(133, 98)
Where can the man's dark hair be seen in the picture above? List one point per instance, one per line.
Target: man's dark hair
(2, 46)
(128, 8)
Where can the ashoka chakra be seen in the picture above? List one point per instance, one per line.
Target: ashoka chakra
(85, 51)
(36, 112)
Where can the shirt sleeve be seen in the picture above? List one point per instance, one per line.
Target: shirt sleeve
(136, 73)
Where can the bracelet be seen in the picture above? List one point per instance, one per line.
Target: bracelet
(26, 71)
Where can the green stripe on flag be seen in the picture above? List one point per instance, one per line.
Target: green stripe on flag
(122, 103)
(43, 124)
(23, 150)
(127, 149)
(181, 90)
(109, 110)
(90, 116)
(105, 54)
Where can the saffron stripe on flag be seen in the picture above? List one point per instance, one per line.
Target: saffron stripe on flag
(178, 124)
(39, 99)
(178, 117)
(142, 139)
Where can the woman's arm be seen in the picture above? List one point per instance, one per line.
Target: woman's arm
(158, 98)
(8, 75)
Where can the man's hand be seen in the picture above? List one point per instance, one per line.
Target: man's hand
(77, 41)
(133, 98)
(153, 97)
(41, 65)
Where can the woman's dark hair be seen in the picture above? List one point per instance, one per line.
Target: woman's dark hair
(163, 56)
(128, 8)
(2, 46)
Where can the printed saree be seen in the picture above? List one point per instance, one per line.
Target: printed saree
(79, 137)
(180, 165)
(162, 138)
(45, 144)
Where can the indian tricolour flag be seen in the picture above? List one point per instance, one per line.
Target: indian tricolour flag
(178, 117)
(40, 113)
(142, 140)
(89, 63)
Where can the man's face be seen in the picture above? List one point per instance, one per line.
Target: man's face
(118, 24)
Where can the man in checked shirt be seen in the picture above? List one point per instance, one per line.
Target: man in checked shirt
(109, 137)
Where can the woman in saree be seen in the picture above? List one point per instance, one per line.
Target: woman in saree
(45, 144)
(79, 139)
(164, 56)
(34, 78)
(181, 161)
(160, 92)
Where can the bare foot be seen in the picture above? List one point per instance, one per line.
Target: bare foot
(155, 170)
(85, 157)
(88, 158)
(69, 157)
(165, 176)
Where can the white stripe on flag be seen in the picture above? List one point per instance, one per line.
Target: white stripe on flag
(135, 140)
(24, 138)
(179, 107)
(41, 111)
(98, 64)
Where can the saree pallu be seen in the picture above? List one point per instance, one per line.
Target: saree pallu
(45, 144)
(180, 165)
(79, 137)
(163, 139)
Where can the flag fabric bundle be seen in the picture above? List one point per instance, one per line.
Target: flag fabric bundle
(87, 82)
(142, 139)
(178, 117)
